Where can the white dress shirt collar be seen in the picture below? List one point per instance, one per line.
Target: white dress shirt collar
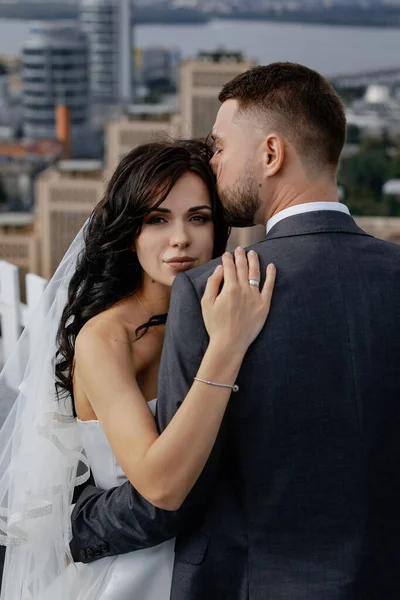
(303, 208)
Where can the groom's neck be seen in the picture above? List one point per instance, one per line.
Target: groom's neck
(290, 194)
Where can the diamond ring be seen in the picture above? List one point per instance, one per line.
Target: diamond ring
(254, 282)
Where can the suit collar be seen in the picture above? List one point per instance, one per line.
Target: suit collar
(324, 221)
(298, 209)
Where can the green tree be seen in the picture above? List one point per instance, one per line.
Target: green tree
(349, 94)
(3, 194)
(362, 202)
(363, 174)
(366, 170)
(394, 167)
(353, 134)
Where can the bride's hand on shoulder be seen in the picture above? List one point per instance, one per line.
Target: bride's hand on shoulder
(235, 315)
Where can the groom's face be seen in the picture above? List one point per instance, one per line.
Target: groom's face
(234, 165)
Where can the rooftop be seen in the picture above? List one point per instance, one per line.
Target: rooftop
(23, 149)
(220, 55)
(79, 165)
(150, 109)
(16, 219)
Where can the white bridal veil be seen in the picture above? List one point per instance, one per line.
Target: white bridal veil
(40, 449)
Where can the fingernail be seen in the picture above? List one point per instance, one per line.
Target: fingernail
(226, 254)
(239, 249)
(252, 253)
(271, 267)
(218, 269)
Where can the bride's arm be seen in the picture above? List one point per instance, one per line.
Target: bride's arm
(163, 468)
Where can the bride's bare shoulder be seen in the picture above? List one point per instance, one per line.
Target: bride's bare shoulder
(106, 329)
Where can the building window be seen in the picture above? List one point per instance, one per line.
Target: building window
(39, 107)
(71, 52)
(41, 122)
(34, 94)
(34, 80)
(37, 67)
(33, 52)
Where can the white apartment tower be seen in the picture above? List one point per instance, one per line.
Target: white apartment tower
(108, 25)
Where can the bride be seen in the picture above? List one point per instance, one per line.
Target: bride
(85, 374)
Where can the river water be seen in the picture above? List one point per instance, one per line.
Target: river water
(331, 50)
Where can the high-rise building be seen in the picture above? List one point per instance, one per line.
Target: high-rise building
(108, 25)
(201, 81)
(55, 72)
(65, 196)
(4, 94)
(141, 123)
(158, 66)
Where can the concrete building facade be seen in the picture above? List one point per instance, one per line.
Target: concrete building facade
(66, 195)
(201, 81)
(55, 72)
(140, 124)
(19, 244)
(158, 65)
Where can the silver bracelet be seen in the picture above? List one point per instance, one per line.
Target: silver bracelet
(234, 388)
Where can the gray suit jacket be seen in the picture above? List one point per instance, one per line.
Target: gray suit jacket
(300, 497)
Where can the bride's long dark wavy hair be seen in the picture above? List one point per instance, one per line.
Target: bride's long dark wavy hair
(108, 269)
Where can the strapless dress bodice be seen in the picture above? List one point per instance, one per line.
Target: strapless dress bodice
(106, 471)
(141, 575)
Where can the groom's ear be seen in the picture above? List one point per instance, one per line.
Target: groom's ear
(274, 153)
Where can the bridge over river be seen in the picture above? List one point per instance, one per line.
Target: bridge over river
(381, 77)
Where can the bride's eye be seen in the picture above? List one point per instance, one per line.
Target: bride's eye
(155, 220)
(199, 218)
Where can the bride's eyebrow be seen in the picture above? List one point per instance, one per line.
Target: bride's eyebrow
(193, 209)
(202, 207)
(161, 210)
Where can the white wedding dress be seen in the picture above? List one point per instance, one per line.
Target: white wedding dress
(141, 575)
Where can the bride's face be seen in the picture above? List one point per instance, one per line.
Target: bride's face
(179, 234)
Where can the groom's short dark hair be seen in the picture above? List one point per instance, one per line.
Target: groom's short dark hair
(297, 101)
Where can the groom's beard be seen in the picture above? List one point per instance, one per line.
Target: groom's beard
(241, 202)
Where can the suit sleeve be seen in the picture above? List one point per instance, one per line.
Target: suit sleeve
(120, 520)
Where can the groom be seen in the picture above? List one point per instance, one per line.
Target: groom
(300, 499)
